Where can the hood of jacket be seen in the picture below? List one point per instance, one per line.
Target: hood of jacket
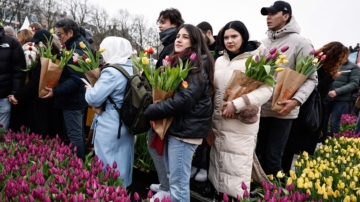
(289, 28)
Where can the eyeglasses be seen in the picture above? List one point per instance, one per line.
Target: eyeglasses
(59, 34)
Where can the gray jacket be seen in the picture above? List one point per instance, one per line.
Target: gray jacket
(290, 36)
(347, 82)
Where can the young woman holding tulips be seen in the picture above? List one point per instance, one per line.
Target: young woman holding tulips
(231, 156)
(191, 107)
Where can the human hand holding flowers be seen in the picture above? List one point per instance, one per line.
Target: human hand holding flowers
(289, 105)
(229, 110)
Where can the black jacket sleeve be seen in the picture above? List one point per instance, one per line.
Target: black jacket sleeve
(19, 62)
(182, 101)
(31, 88)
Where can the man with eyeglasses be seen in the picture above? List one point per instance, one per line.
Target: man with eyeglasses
(69, 94)
(12, 60)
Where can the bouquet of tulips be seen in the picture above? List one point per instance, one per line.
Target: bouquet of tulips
(88, 63)
(289, 81)
(31, 54)
(259, 70)
(163, 80)
(51, 67)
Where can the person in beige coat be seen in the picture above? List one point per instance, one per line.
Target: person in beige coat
(231, 156)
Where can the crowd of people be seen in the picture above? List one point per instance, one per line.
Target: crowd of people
(198, 110)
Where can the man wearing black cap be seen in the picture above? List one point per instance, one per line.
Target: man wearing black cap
(12, 60)
(69, 94)
(275, 126)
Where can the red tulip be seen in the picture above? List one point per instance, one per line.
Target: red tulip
(150, 50)
(185, 84)
(320, 54)
(323, 57)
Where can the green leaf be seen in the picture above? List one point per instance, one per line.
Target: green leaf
(247, 62)
(76, 68)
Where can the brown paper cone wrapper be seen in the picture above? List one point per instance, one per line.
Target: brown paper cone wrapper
(27, 79)
(357, 103)
(93, 75)
(288, 82)
(238, 85)
(49, 75)
(161, 126)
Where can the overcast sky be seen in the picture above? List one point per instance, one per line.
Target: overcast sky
(322, 21)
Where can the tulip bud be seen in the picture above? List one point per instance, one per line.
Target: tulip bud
(264, 52)
(257, 58)
(30, 43)
(114, 166)
(30, 48)
(136, 196)
(185, 84)
(323, 57)
(272, 51)
(118, 190)
(312, 52)
(320, 54)
(150, 50)
(150, 194)
(165, 63)
(243, 186)
(274, 56)
(316, 60)
(193, 56)
(284, 49)
(246, 194)
(157, 200)
(269, 57)
(225, 197)
(116, 174)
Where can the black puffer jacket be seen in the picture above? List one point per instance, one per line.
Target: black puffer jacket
(167, 41)
(347, 82)
(70, 91)
(12, 60)
(192, 108)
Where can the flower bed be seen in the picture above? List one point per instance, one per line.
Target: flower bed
(36, 169)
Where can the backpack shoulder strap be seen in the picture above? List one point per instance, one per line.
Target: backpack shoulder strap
(121, 69)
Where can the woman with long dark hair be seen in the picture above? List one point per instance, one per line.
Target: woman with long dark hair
(231, 156)
(191, 108)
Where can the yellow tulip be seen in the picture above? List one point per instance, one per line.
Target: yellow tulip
(271, 177)
(346, 199)
(282, 56)
(102, 50)
(352, 185)
(356, 179)
(289, 181)
(145, 54)
(292, 174)
(145, 60)
(52, 31)
(279, 69)
(308, 191)
(280, 174)
(336, 193)
(88, 60)
(325, 195)
(285, 61)
(278, 62)
(67, 53)
(82, 45)
(353, 198)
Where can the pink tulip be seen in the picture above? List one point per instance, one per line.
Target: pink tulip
(284, 49)
(323, 57)
(150, 194)
(257, 58)
(312, 52)
(225, 197)
(114, 165)
(272, 51)
(193, 56)
(320, 54)
(246, 194)
(136, 196)
(243, 186)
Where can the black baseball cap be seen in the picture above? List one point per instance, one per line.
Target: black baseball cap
(41, 35)
(276, 7)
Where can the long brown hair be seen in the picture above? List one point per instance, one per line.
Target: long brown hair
(336, 55)
(24, 36)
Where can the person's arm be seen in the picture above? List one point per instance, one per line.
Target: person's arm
(109, 79)
(180, 103)
(18, 62)
(351, 85)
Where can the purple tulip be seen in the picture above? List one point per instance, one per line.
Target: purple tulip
(269, 57)
(165, 63)
(264, 52)
(54, 190)
(118, 190)
(80, 197)
(114, 166)
(47, 199)
(116, 174)
(193, 56)
(312, 52)
(243, 186)
(157, 200)
(136, 196)
(149, 194)
(274, 56)
(225, 197)
(267, 195)
(246, 194)
(284, 49)
(257, 58)
(272, 51)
